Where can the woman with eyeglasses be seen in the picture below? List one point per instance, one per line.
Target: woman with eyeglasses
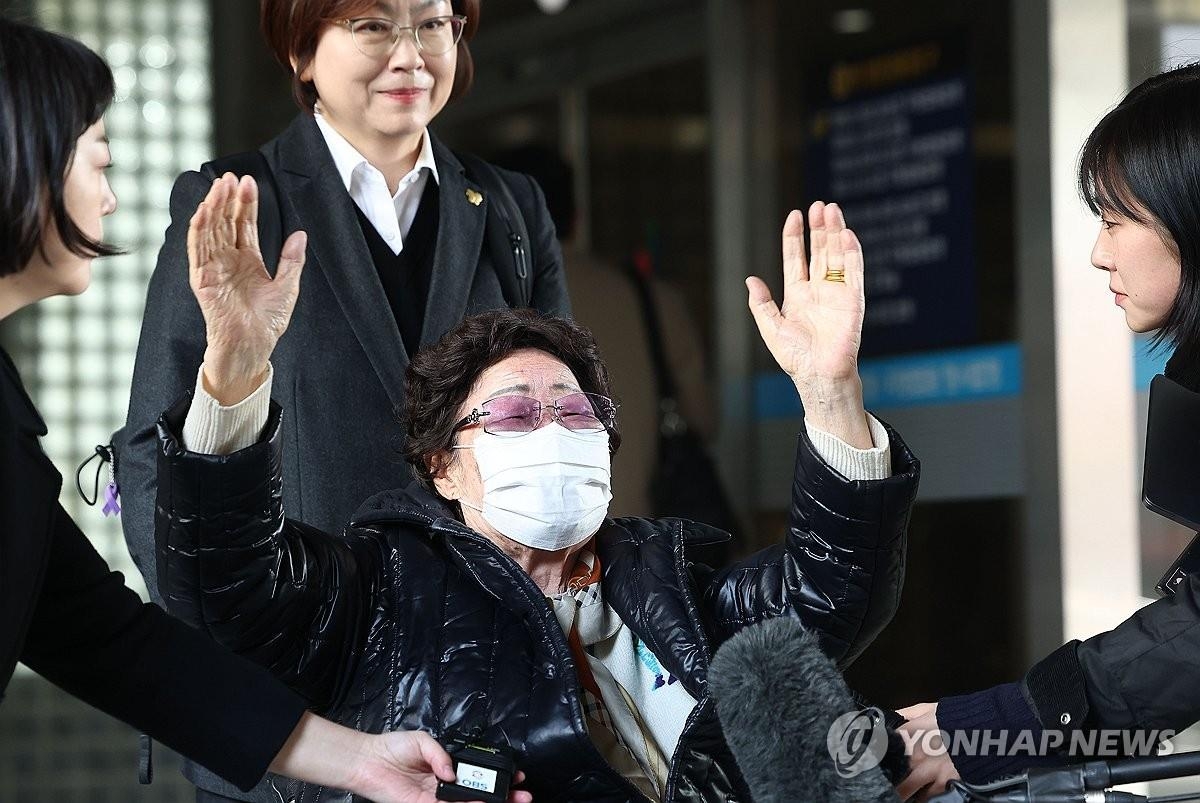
(405, 237)
(492, 601)
(63, 612)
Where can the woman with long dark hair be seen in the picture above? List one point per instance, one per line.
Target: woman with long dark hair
(63, 612)
(1140, 173)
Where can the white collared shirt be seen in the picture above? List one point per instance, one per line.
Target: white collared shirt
(391, 215)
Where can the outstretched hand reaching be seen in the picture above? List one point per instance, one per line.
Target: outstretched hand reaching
(395, 767)
(408, 767)
(815, 334)
(245, 310)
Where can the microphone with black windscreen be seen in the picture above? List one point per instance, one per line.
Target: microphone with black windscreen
(791, 722)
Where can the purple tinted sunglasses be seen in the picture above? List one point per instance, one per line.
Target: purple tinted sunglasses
(517, 415)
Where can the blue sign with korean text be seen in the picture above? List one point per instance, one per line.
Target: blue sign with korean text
(890, 141)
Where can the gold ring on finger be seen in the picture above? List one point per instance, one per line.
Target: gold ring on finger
(835, 275)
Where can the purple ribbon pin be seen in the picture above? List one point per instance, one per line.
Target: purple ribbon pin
(111, 506)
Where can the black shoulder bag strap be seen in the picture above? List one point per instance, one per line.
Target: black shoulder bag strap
(270, 218)
(517, 285)
(670, 421)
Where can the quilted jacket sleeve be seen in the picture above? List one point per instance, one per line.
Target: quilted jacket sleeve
(288, 596)
(840, 568)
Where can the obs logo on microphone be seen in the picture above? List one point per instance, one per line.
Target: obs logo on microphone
(857, 742)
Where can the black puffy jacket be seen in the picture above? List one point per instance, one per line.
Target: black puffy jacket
(413, 620)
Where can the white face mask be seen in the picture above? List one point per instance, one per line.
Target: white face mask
(548, 489)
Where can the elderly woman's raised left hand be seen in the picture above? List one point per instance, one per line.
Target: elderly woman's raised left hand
(815, 334)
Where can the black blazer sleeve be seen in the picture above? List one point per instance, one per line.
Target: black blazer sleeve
(1142, 674)
(840, 568)
(169, 353)
(93, 637)
(1140, 677)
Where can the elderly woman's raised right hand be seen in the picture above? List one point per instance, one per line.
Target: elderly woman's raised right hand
(245, 310)
(814, 334)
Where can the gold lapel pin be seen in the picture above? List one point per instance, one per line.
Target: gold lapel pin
(474, 197)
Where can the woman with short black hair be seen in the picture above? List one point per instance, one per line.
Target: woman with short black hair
(33, 196)
(63, 612)
(1139, 172)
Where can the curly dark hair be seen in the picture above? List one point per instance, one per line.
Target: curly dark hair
(441, 375)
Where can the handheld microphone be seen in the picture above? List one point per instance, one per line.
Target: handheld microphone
(790, 721)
